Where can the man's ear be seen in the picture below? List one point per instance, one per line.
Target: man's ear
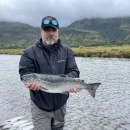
(58, 31)
(41, 30)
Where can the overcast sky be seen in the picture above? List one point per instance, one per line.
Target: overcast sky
(66, 11)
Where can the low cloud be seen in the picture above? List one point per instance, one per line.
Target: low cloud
(66, 11)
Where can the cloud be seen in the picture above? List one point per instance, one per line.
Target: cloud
(66, 11)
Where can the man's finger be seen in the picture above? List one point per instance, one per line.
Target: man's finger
(38, 87)
(33, 86)
(70, 89)
(77, 78)
(75, 90)
(28, 85)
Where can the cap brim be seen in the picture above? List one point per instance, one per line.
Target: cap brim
(50, 25)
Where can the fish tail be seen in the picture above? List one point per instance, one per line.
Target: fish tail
(92, 89)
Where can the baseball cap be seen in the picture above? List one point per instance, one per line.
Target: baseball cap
(50, 21)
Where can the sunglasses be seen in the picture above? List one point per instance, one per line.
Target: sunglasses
(47, 21)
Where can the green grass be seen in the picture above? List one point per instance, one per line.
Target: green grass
(100, 51)
(11, 51)
(103, 51)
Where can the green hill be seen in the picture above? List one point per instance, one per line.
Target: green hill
(110, 28)
(86, 32)
(15, 35)
(77, 37)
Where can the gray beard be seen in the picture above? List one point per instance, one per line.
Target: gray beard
(49, 43)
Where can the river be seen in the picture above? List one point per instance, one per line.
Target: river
(109, 110)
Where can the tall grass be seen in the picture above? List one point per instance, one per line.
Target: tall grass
(103, 51)
(11, 51)
(99, 51)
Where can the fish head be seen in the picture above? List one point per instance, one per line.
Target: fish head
(29, 78)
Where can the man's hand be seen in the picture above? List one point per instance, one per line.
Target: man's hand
(73, 89)
(33, 86)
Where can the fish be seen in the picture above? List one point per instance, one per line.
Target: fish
(58, 83)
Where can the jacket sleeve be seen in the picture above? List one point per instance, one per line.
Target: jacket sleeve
(71, 66)
(26, 64)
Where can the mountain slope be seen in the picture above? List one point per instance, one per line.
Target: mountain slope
(86, 32)
(110, 28)
(78, 37)
(14, 35)
(17, 34)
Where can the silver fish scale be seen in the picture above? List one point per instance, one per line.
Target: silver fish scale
(58, 78)
(59, 86)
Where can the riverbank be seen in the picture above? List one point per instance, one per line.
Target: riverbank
(103, 51)
(99, 51)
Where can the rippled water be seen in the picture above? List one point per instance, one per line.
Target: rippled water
(110, 110)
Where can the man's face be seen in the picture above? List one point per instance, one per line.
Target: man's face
(49, 35)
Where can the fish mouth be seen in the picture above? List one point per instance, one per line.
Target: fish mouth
(24, 80)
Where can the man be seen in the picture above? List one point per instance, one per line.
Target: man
(48, 56)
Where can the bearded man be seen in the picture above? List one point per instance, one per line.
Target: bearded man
(48, 56)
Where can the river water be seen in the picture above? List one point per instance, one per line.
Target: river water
(110, 110)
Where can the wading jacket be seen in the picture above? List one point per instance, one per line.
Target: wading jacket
(58, 59)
